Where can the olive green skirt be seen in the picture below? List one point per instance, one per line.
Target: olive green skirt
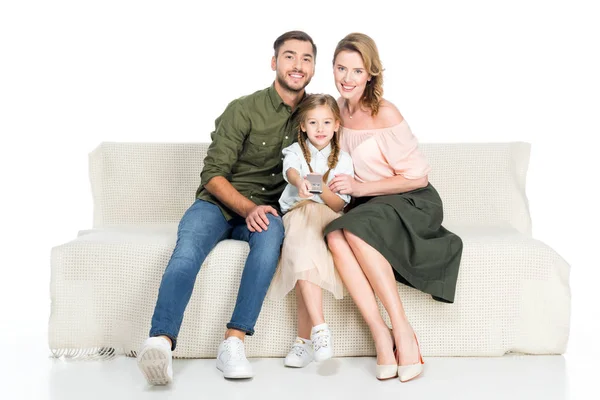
(407, 230)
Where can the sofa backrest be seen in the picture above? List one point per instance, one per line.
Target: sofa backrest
(154, 183)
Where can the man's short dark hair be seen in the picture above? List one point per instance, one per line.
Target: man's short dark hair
(297, 35)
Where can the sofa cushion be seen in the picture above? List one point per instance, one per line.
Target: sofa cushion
(512, 296)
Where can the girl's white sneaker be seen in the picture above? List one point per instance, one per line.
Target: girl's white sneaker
(300, 355)
(322, 342)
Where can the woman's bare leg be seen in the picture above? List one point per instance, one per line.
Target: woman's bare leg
(379, 273)
(355, 280)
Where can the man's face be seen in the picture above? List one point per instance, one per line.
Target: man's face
(294, 65)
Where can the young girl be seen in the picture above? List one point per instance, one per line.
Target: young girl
(305, 262)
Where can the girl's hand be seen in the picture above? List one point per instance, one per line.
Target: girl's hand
(304, 189)
(345, 184)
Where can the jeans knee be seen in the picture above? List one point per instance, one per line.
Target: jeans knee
(187, 257)
(265, 246)
(275, 231)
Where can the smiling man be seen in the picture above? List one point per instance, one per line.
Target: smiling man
(238, 198)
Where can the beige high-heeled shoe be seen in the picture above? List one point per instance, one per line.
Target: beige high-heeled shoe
(385, 372)
(389, 371)
(408, 372)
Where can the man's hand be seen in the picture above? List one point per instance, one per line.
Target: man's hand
(257, 220)
(345, 184)
(304, 189)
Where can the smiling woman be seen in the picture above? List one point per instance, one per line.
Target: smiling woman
(393, 232)
(358, 76)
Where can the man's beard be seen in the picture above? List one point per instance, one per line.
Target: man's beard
(287, 87)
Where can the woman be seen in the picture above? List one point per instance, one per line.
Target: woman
(393, 231)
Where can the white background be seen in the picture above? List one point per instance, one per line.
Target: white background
(75, 73)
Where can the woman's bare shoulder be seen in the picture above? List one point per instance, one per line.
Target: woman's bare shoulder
(388, 114)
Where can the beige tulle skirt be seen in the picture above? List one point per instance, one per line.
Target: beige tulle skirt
(304, 254)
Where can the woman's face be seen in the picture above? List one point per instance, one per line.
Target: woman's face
(350, 75)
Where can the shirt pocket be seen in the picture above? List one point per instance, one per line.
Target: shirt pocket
(259, 149)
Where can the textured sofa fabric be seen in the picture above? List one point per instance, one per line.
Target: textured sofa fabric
(512, 295)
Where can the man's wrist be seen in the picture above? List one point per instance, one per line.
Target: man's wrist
(248, 209)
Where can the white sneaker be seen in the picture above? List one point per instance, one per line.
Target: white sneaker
(322, 342)
(156, 361)
(232, 361)
(300, 355)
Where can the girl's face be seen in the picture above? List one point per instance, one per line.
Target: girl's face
(320, 126)
(350, 75)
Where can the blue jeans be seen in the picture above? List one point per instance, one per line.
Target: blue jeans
(201, 228)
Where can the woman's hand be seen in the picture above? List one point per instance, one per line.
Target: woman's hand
(304, 187)
(345, 184)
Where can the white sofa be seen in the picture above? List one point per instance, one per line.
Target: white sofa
(512, 295)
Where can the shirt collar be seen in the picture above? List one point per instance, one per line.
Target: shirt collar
(313, 150)
(276, 98)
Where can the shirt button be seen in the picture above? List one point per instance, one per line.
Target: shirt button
(263, 188)
(264, 143)
(250, 196)
(272, 174)
(286, 137)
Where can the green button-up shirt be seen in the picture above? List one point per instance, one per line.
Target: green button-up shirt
(246, 148)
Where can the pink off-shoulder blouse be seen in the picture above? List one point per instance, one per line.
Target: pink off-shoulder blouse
(385, 152)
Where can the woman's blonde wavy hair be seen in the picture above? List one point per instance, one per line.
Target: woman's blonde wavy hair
(366, 47)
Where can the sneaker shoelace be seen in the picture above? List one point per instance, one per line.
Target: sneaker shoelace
(320, 339)
(298, 350)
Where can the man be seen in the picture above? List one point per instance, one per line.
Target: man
(238, 198)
